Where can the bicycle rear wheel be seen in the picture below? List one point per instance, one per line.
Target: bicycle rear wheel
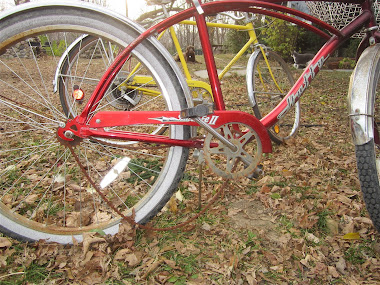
(366, 112)
(43, 191)
(269, 79)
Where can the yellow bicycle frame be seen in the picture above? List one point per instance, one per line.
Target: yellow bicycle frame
(249, 28)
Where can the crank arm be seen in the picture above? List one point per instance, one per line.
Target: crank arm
(209, 129)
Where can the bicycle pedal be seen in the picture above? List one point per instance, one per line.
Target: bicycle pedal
(198, 111)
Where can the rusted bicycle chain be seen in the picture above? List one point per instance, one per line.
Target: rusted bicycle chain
(130, 219)
(25, 106)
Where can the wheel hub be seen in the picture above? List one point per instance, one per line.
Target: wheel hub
(122, 97)
(67, 134)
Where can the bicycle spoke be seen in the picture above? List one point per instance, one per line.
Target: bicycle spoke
(48, 183)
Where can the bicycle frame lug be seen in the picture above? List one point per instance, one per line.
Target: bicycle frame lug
(69, 131)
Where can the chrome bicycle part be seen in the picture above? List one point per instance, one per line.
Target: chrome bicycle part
(233, 163)
(214, 133)
(201, 95)
(364, 109)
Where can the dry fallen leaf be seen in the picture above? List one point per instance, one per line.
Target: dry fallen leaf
(133, 259)
(3, 261)
(4, 242)
(89, 239)
(332, 271)
(31, 198)
(206, 226)
(312, 238)
(172, 205)
(332, 226)
(363, 220)
(341, 265)
(121, 254)
(287, 173)
(351, 236)
(305, 261)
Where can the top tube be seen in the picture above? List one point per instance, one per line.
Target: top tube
(365, 19)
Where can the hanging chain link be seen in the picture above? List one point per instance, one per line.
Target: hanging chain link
(130, 219)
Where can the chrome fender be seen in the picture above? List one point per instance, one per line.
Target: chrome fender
(249, 76)
(65, 56)
(361, 97)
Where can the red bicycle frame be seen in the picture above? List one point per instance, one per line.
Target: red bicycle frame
(84, 128)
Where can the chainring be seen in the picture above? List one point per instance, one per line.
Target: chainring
(233, 164)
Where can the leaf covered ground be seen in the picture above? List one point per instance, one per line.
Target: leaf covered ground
(302, 222)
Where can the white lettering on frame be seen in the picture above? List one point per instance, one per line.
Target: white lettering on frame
(307, 78)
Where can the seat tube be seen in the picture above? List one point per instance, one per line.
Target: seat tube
(209, 58)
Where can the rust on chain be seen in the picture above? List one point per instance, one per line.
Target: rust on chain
(24, 105)
(130, 219)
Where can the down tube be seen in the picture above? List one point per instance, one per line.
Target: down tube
(302, 84)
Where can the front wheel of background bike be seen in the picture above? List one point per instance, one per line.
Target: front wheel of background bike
(43, 191)
(81, 67)
(365, 81)
(268, 83)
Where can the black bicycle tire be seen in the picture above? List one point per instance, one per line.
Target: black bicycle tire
(369, 180)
